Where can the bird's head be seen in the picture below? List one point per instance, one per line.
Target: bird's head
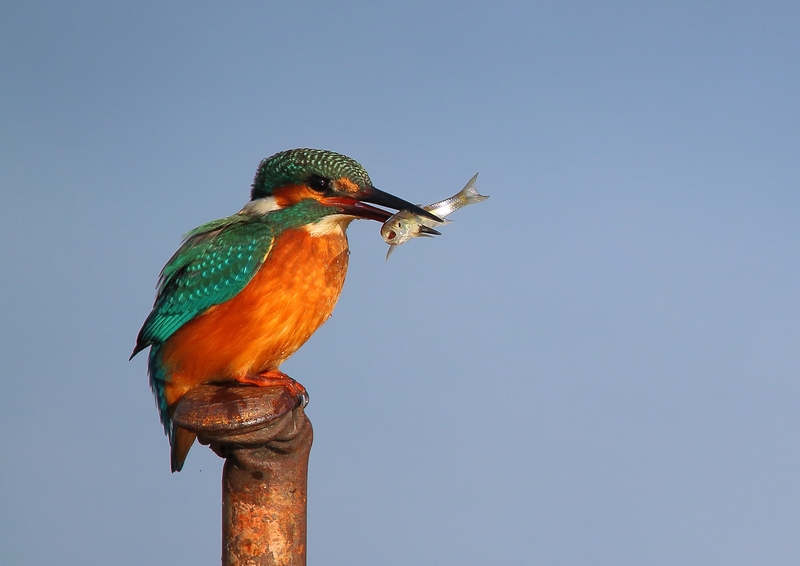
(334, 180)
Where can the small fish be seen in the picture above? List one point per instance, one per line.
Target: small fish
(405, 225)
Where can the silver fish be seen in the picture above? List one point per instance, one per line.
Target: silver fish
(405, 225)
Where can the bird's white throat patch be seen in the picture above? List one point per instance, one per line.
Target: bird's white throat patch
(330, 225)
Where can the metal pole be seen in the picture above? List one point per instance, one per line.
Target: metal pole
(265, 438)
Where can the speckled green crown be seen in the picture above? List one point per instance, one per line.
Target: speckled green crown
(297, 165)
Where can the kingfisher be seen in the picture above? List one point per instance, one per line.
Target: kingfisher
(244, 293)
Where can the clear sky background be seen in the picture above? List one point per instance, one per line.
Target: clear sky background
(598, 365)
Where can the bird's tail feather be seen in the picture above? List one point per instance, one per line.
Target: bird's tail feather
(181, 441)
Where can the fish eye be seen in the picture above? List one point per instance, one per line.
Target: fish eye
(319, 183)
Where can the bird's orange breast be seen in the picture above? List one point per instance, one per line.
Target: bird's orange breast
(289, 297)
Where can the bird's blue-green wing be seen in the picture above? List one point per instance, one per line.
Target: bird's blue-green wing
(215, 263)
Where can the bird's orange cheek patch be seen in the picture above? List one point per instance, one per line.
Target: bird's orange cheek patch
(292, 194)
(345, 185)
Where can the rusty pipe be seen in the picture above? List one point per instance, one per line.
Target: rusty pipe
(265, 437)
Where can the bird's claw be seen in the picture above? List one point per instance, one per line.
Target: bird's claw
(277, 377)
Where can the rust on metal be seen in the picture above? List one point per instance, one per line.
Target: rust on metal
(265, 437)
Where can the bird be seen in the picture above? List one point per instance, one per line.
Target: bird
(245, 292)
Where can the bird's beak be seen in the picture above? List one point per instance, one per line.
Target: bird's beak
(428, 231)
(381, 198)
(356, 205)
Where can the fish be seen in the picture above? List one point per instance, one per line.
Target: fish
(405, 225)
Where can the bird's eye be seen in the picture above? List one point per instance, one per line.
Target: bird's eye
(319, 184)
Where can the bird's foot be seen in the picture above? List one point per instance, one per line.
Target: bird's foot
(274, 377)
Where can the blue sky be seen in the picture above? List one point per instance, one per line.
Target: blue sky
(598, 365)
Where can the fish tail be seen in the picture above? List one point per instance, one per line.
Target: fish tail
(470, 194)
